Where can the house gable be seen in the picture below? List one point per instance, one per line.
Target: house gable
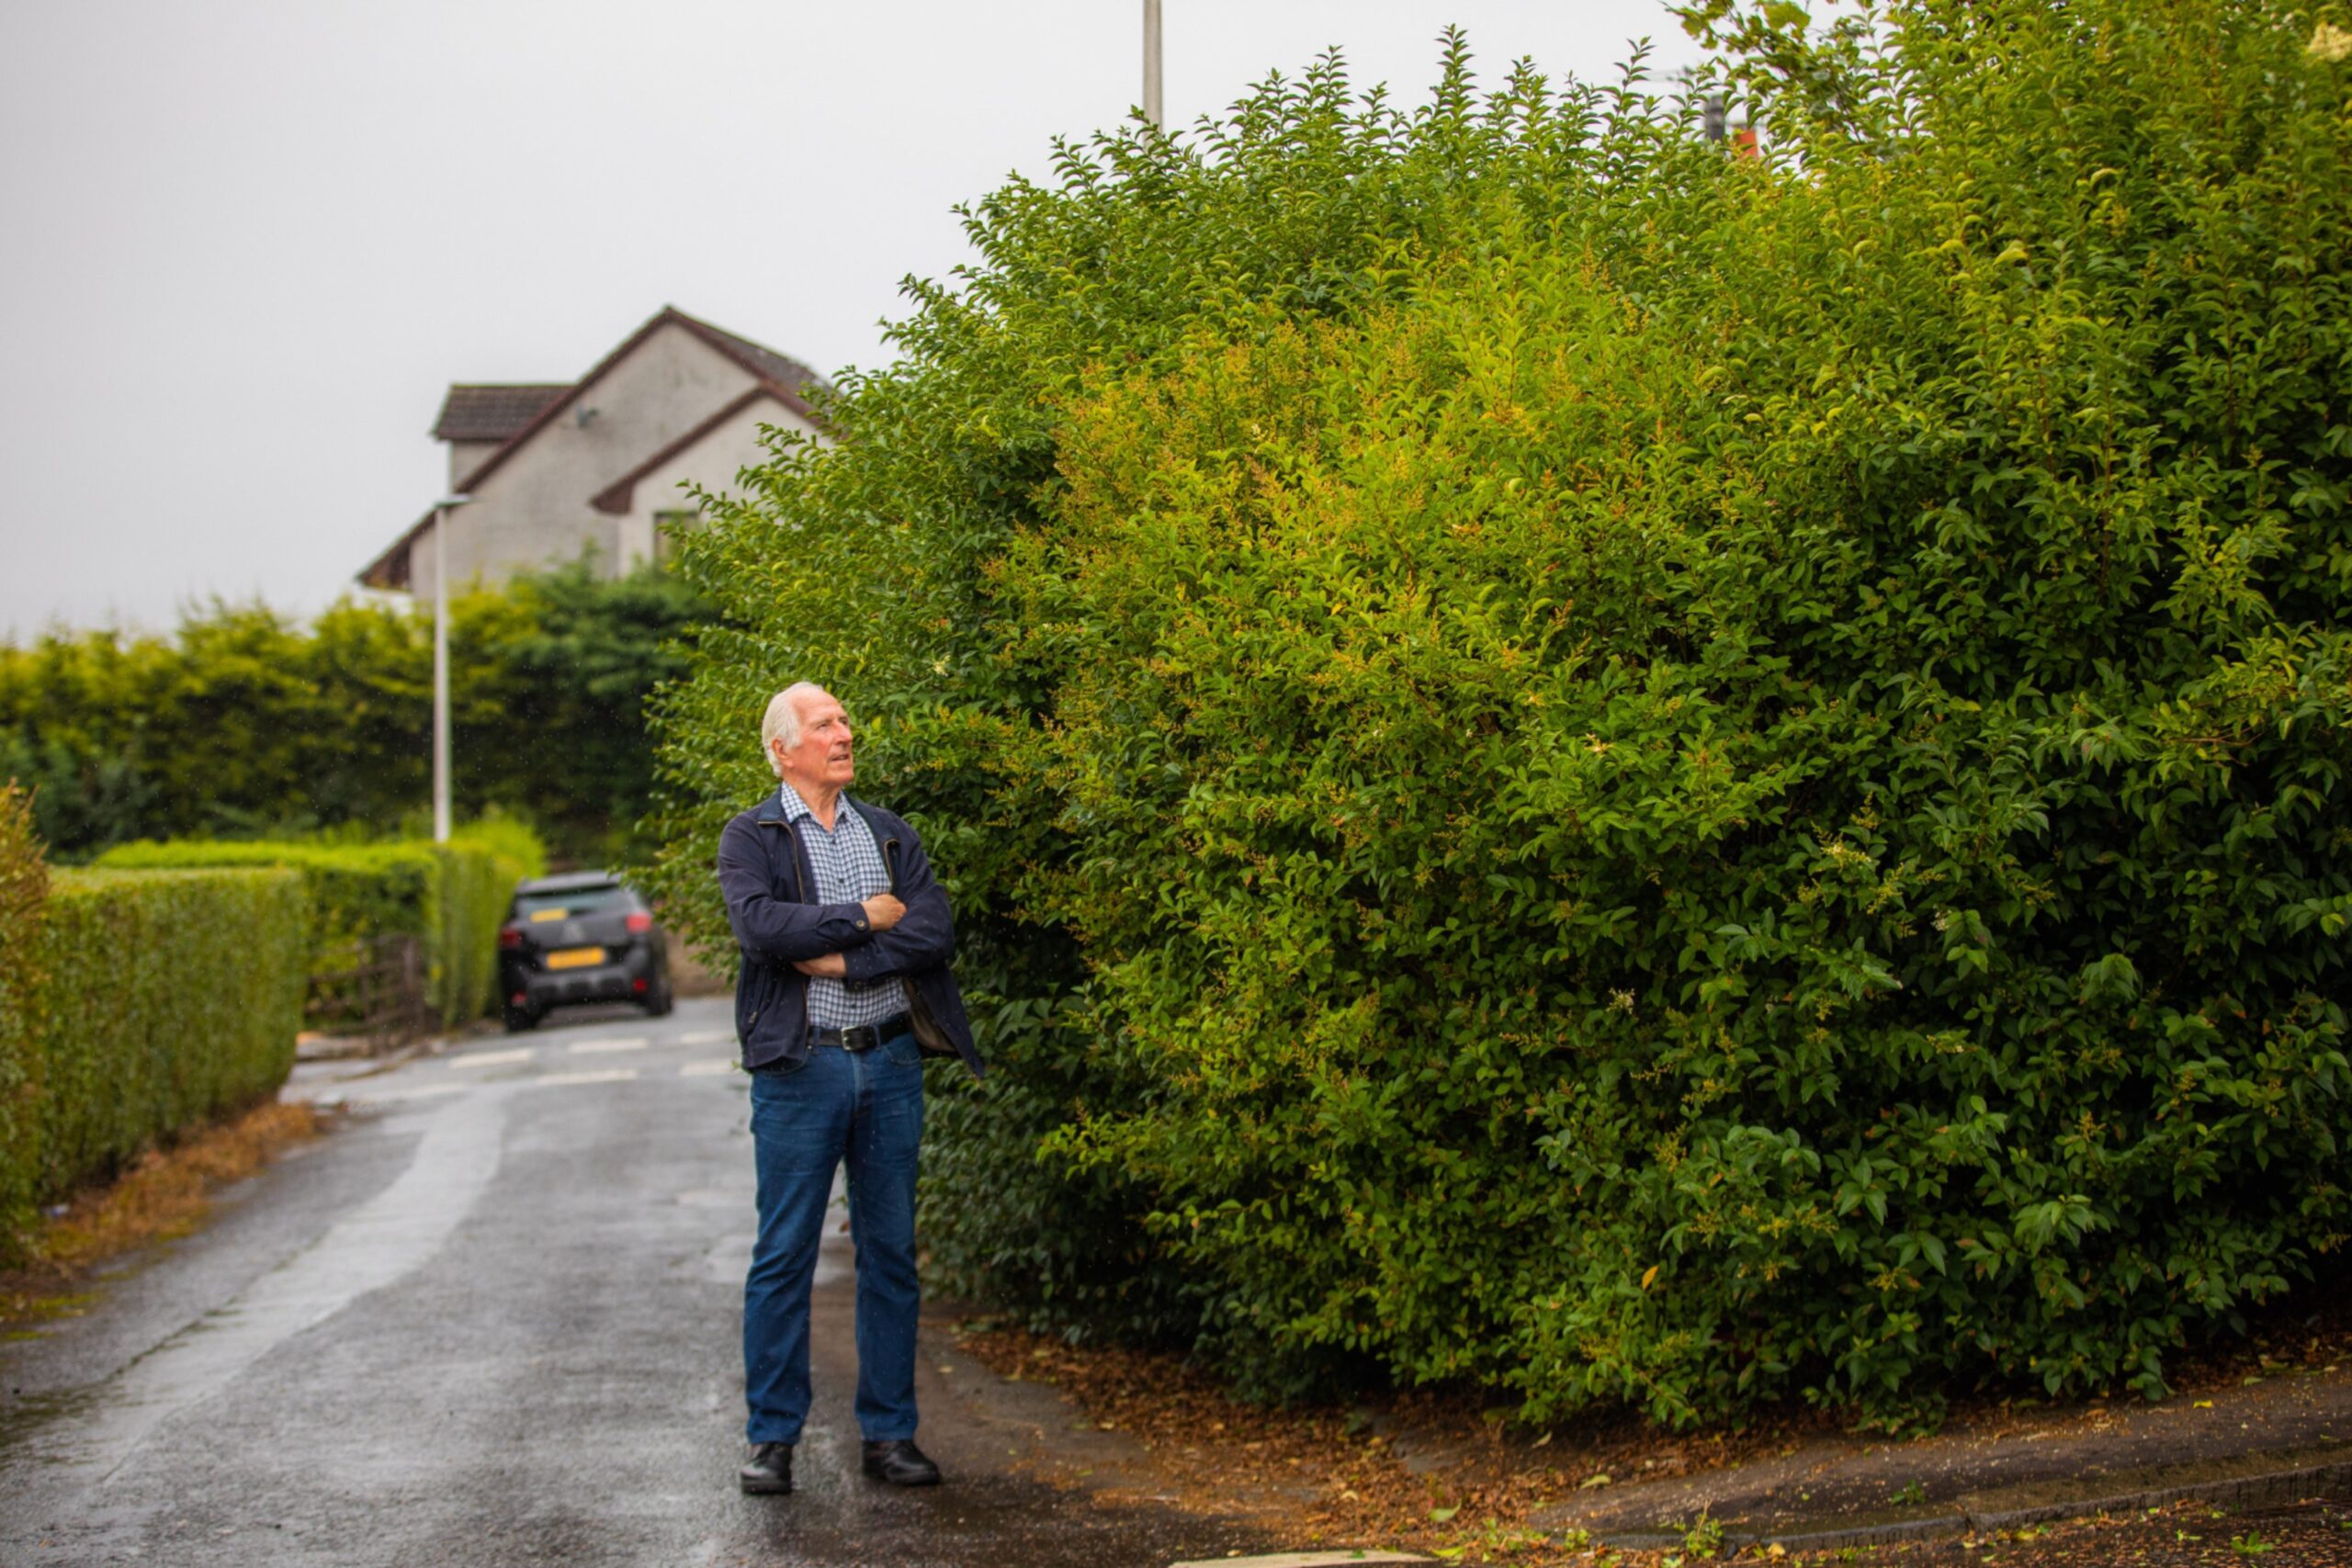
(709, 456)
(541, 494)
(788, 378)
(618, 498)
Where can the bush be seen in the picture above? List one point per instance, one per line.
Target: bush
(134, 1005)
(483, 862)
(252, 725)
(24, 887)
(170, 997)
(1297, 201)
(1620, 773)
(451, 899)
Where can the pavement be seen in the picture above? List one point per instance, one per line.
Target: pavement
(494, 1319)
(2273, 1440)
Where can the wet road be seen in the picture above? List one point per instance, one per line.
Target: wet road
(495, 1320)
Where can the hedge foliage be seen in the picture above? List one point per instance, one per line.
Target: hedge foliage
(133, 1005)
(23, 889)
(170, 998)
(1624, 772)
(246, 723)
(451, 896)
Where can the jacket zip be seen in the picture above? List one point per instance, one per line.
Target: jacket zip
(799, 896)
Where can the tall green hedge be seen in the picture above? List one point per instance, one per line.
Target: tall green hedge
(168, 999)
(452, 898)
(247, 723)
(1627, 773)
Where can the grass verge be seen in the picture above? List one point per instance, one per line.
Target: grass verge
(165, 1194)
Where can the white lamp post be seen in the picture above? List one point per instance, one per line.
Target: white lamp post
(441, 510)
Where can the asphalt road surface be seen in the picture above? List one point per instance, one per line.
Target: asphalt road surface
(495, 1320)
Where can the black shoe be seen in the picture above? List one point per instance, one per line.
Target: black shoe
(899, 1462)
(769, 1470)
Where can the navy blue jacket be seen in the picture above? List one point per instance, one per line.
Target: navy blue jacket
(765, 872)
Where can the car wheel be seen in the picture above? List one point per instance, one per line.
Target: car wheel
(659, 1004)
(519, 1020)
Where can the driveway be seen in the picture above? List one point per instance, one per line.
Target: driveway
(495, 1320)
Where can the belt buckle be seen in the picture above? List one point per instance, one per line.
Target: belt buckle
(859, 1038)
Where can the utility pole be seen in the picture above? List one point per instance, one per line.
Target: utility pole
(441, 664)
(1151, 65)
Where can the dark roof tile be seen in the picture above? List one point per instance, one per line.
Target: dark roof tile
(493, 412)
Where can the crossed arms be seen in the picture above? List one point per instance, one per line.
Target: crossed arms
(882, 938)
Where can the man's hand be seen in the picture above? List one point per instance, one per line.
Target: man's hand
(882, 912)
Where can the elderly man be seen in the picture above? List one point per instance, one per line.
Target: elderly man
(845, 937)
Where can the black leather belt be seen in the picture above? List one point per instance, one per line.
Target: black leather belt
(862, 1036)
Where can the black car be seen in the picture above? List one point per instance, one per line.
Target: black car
(581, 937)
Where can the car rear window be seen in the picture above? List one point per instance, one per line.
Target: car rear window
(573, 901)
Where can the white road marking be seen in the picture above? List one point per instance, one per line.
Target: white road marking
(614, 1042)
(404, 1091)
(704, 1069)
(609, 1075)
(492, 1059)
(708, 1037)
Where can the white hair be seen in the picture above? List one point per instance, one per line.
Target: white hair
(783, 720)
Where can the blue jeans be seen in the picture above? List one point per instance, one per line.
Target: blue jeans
(864, 1107)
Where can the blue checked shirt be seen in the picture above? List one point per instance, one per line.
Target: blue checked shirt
(849, 868)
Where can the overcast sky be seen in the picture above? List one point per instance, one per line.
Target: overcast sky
(248, 243)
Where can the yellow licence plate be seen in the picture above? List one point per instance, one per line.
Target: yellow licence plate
(575, 957)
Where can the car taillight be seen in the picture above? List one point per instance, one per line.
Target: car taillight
(641, 921)
(510, 936)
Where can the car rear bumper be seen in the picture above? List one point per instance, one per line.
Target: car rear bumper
(633, 977)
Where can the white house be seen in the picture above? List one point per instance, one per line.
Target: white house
(557, 469)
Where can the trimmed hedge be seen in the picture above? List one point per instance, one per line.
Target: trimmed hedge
(24, 886)
(133, 1005)
(450, 897)
(481, 865)
(169, 998)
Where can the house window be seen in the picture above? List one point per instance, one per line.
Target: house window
(667, 525)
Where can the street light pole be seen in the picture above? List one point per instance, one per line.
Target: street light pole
(441, 664)
(1151, 63)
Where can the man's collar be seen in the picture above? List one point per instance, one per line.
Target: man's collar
(786, 806)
